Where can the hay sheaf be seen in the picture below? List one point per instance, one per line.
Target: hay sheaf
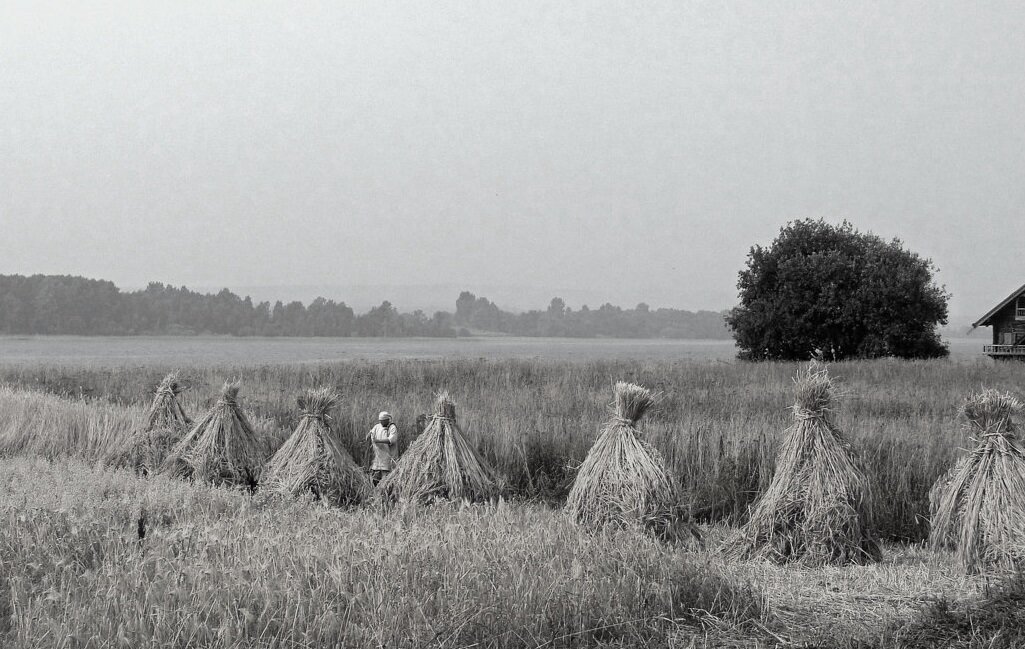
(441, 464)
(222, 448)
(312, 461)
(624, 481)
(816, 510)
(936, 495)
(979, 504)
(166, 424)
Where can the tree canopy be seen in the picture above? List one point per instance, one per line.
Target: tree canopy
(823, 290)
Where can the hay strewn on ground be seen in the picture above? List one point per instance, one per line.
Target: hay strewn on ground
(313, 461)
(980, 503)
(441, 464)
(816, 509)
(624, 480)
(166, 424)
(222, 448)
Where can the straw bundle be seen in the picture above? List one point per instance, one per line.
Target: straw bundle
(816, 510)
(166, 424)
(441, 464)
(222, 448)
(313, 461)
(980, 503)
(936, 495)
(624, 480)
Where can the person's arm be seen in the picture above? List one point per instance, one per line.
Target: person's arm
(393, 435)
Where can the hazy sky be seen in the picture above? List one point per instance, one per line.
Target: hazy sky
(634, 150)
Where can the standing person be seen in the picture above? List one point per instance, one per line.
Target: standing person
(385, 439)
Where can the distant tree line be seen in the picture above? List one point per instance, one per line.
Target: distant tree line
(61, 304)
(558, 320)
(46, 304)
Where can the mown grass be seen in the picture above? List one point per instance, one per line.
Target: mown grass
(718, 424)
(994, 621)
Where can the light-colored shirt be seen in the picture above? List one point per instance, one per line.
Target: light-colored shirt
(386, 447)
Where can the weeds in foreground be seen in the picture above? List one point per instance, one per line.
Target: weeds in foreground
(91, 557)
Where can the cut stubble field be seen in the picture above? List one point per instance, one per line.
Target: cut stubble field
(222, 568)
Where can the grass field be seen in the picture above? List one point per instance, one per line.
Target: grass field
(219, 568)
(717, 424)
(196, 351)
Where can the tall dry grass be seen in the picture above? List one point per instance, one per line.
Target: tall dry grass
(718, 424)
(91, 557)
(35, 423)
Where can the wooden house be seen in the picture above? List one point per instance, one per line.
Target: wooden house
(1008, 322)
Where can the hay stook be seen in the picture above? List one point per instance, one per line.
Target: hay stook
(312, 461)
(166, 424)
(817, 508)
(979, 504)
(222, 448)
(441, 464)
(624, 481)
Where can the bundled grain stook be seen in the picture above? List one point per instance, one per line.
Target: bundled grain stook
(441, 464)
(222, 448)
(313, 461)
(166, 424)
(979, 504)
(936, 495)
(816, 510)
(624, 480)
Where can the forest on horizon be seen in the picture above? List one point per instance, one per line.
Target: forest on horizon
(72, 305)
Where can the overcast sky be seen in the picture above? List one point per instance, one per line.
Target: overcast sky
(632, 150)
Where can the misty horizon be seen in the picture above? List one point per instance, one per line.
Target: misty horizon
(633, 156)
(431, 299)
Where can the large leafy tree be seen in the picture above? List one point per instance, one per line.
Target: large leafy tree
(828, 290)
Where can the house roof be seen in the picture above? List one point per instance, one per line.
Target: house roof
(984, 320)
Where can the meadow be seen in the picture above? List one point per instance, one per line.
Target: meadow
(196, 351)
(718, 424)
(205, 351)
(222, 568)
